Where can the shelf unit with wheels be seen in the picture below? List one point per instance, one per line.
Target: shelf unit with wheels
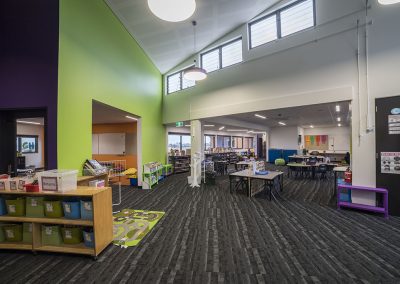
(180, 164)
(102, 223)
(152, 174)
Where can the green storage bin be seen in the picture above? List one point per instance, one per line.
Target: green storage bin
(27, 233)
(72, 236)
(35, 207)
(53, 209)
(13, 232)
(2, 237)
(51, 236)
(16, 207)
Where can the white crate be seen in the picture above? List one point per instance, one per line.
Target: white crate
(58, 180)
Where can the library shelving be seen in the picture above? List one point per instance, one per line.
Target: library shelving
(102, 223)
(180, 164)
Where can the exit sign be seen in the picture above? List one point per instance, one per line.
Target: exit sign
(179, 124)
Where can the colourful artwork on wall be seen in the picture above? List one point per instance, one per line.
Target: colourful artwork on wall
(317, 142)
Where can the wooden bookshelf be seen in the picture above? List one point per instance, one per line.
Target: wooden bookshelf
(102, 222)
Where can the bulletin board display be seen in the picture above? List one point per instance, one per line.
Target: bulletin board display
(316, 142)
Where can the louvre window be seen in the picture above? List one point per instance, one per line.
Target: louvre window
(263, 31)
(298, 17)
(288, 20)
(176, 82)
(222, 56)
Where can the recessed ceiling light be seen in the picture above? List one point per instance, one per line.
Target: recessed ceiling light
(172, 10)
(237, 130)
(388, 2)
(256, 132)
(130, 117)
(221, 128)
(260, 116)
(209, 125)
(339, 125)
(339, 119)
(28, 122)
(281, 123)
(311, 126)
(187, 125)
(337, 108)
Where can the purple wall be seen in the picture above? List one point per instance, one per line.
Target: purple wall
(29, 61)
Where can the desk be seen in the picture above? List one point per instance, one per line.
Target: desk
(312, 167)
(243, 165)
(246, 176)
(305, 158)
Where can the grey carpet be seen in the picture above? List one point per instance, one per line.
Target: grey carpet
(211, 236)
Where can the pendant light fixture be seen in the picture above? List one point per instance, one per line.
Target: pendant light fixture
(388, 2)
(172, 10)
(195, 73)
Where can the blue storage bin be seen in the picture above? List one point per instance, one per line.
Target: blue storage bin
(72, 209)
(86, 210)
(3, 207)
(133, 181)
(88, 238)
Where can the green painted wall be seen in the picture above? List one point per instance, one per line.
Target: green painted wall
(99, 60)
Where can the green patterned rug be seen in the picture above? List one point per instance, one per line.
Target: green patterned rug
(131, 226)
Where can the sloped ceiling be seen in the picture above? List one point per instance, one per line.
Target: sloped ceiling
(168, 44)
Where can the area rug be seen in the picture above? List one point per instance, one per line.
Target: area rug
(131, 226)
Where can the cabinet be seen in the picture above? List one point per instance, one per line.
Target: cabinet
(102, 222)
(180, 164)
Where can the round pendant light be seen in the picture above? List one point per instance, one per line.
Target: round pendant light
(172, 10)
(195, 74)
(388, 2)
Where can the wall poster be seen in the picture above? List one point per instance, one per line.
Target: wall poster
(394, 124)
(390, 163)
(316, 142)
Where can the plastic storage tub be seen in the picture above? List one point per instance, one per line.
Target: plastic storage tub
(13, 232)
(27, 233)
(16, 207)
(32, 188)
(53, 209)
(3, 207)
(51, 236)
(11, 184)
(2, 237)
(35, 207)
(86, 210)
(72, 209)
(72, 236)
(88, 238)
(3, 183)
(58, 180)
(22, 181)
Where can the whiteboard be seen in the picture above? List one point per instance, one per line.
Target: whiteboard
(111, 143)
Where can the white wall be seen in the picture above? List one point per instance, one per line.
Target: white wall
(341, 136)
(315, 66)
(283, 138)
(33, 159)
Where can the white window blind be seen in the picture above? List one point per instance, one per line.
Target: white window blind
(232, 53)
(263, 31)
(297, 18)
(174, 83)
(210, 60)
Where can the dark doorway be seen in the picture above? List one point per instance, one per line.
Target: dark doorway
(388, 149)
(9, 162)
(260, 148)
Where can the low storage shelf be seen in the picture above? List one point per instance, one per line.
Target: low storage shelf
(379, 208)
(101, 224)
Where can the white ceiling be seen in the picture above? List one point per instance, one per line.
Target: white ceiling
(322, 115)
(105, 114)
(168, 44)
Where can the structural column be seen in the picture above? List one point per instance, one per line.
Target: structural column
(197, 148)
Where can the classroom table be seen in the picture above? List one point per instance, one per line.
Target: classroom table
(304, 158)
(246, 177)
(303, 166)
(242, 165)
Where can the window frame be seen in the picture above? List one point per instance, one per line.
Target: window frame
(239, 138)
(219, 48)
(180, 138)
(180, 80)
(278, 22)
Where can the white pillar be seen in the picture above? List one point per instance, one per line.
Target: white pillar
(197, 146)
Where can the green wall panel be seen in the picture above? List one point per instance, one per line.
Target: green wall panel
(99, 60)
